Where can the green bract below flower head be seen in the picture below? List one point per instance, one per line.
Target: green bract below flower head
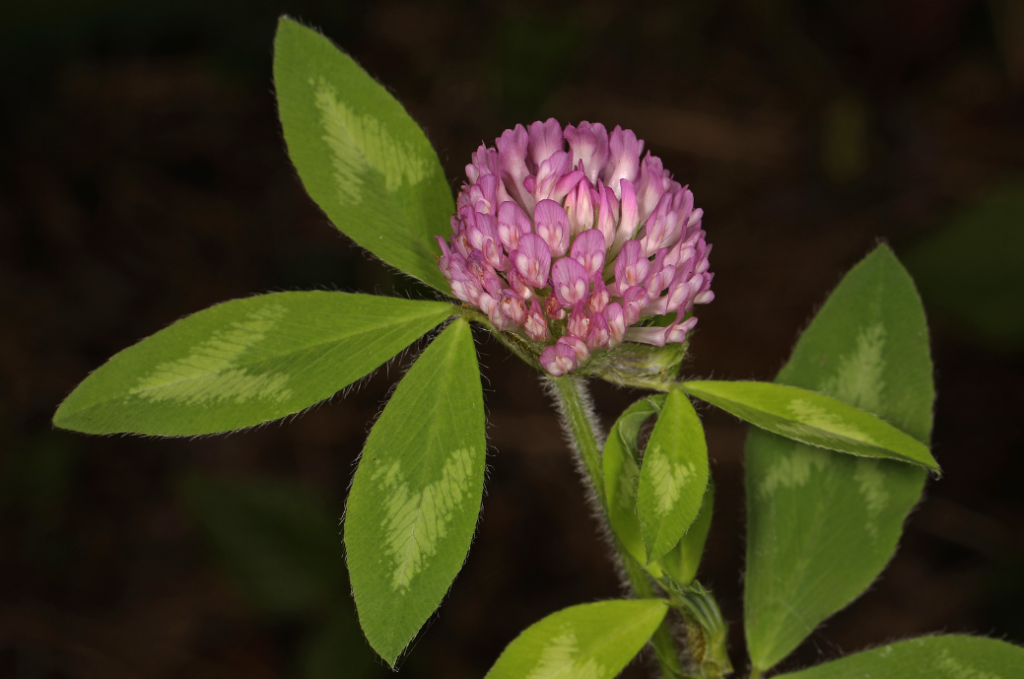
(577, 251)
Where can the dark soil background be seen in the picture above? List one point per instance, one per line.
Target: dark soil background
(143, 177)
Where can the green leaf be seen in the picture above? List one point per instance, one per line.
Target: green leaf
(821, 526)
(277, 541)
(989, 304)
(673, 477)
(364, 161)
(416, 494)
(245, 362)
(950, 656)
(682, 562)
(621, 463)
(814, 419)
(595, 641)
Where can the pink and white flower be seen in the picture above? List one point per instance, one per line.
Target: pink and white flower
(577, 248)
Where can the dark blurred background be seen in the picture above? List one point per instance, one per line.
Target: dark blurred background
(143, 177)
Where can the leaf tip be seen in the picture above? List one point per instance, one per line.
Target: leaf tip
(287, 23)
(64, 417)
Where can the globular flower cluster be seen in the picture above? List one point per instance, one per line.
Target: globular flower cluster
(579, 249)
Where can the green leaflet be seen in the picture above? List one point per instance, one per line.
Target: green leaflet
(814, 419)
(416, 494)
(673, 477)
(364, 161)
(622, 478)
(682, 562)
(950, 656)
(589, 641)
(245, 362)
(277, 542)
(821, 526)
(621, 462)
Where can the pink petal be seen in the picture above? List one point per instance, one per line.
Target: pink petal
(633, 302)
(623, 157)
(578, 347)
(559, 359)
(579, 322)
(589, 145)
(532, 260)
(616, 321)
(512, 223)
(650, 335)
(588, 250)
(569, 281)
(552, 224)
(579, 207)
(512, 147)
(536, 325)
(629, 221)
(599, 296)
(545, 139)
(631, 266)
(600, 334)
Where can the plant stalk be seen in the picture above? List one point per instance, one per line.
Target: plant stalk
(577, 420)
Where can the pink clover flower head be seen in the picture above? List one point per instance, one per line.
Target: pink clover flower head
(578, 241)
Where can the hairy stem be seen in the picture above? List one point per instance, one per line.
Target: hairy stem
(579, 424)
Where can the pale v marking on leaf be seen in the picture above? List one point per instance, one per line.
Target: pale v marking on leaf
(558, 660)
(415, 521)
(871, 483)
(859, 382)
(210, 372)
(811, 414)
(669, 480)
(361, 141)
(792, 469)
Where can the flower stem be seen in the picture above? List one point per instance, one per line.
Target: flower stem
(579, 424)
